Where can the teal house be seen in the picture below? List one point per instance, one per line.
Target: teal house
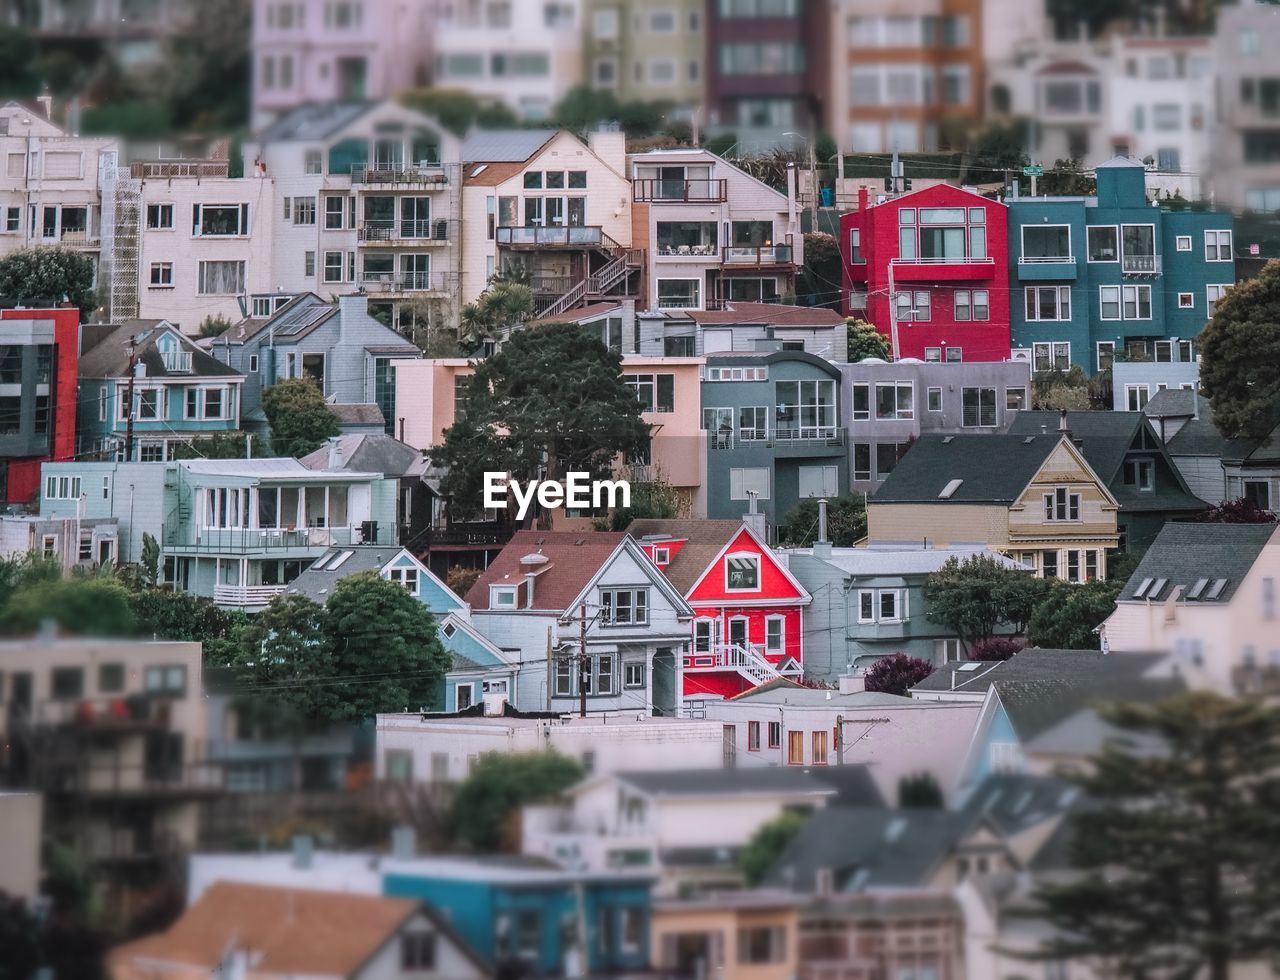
(774, 432)
(531, 920)
(179, 391)
(1097, 277)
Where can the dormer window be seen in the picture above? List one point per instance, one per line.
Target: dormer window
(742, 573)
(502, 596)
(661, 556)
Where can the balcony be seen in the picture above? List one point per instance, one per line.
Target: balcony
(246, 596)
(757, 256)
(397, 175)
(943, 269)
(246, 541)
(392, 285)
(786, 441)
(1140, 265)
(176, 361)
(704, 191)
(711, 252)
(166, 169)
(1047, 267)
(557, 236)
(124, 715)
(407, 232)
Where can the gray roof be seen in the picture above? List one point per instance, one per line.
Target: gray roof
(1175, 403)
(992, 468)
(877, 561)
(1012, 802)
(317, 583)
(108, 355)
(782, 691)
(1198, 437)
(370, 453)
(271, 468)
(504, 145)
(849, 784)
(1184, 554)
(358, 414)
(314, 121)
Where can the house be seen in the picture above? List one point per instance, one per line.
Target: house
(375, 452)
(526, 912)
(712, 233)
(782, 724)
(112, 734)
(179, 392)
(659, 58)
(929, 270)
(872, 600)
(72, 542)
(258, 932)
(688, 826)
(38, 394)
(1184, 422)
(737, 325)
(748, 609)
(233, 530)
(360, 419)
(1251, 468)
(439, 750)
(747, 934)
(891, 404)
(1110, 273)
(1125, 451)
(1034, 498)
(340, 346)
(559, 212)
(775, 433)
(368, 199)
(1206, 593)
(1134, 383)
(585, 617)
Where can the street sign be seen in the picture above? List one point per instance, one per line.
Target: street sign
(1255, 249)
(1033, 171)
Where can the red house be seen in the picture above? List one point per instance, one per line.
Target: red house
(930, 270)
(747, 626)
(39, 358)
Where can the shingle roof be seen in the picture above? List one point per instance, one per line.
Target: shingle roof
(582, 313)
(1184, 554)
(1012, 802)
(704, 540)
(572, 558)
(358, 414)
(992, 468)
(504, 145)
(290, 931)
(1199, 437)
(109, 355)
(371, 453)
(317, 582)
(772, 314)
(856, 784)
(875, 560)
(1175, 403)
(314, 121)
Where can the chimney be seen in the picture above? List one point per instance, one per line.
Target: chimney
(852, 683)
(1063, 427)
(610, 145)
(46, 102)
(335, 454)
(1195, 400)
(753, 518)
(822, 547)
(862, 197)
(302, 851)
(404, 843)
(356, 304)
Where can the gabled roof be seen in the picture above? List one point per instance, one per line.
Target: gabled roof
(703, 542)
(314, 121)
(290, 931)
(1011, 802)
(318, 581)
(1184, 555)
(572, 560)
(1172, 403)
(1255, 452)
(782, 691)
(370, 453)
(991, 469)
(1200, 437)
(876, 561)
(108, 356)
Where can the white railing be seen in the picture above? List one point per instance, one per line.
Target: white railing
(746, 660)
(945, 260)
(1140, 264)
(245, 595)
(177, 361)
(1045, 259)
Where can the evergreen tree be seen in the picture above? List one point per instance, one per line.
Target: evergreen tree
(1240, 356)
(299, 418)
(46, 275)
(499, 785)
(865, 341)
(976, 596)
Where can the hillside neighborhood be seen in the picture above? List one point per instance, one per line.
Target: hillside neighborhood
(745, 489)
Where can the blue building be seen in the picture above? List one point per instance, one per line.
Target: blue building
(1094, 277)
(514, 911)
(179, 392)
(775, 430)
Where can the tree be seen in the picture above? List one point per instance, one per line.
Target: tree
(650, 500)
(846, 522)
(1240, 511)
(919, 791)
(1069, 615)
(499, 785)
(505, 304)
(821, 277)
(385, 648)
(865, 341)
(286, 659)
(188, 618)
(214, 325)
(150, 558)
(976, 596)
(897, 673)
(583, 108)
(220, 445)
(460, 579)
(1240, 356)
(45, 275)
(1177, 859)
(550, 402)
(767, 845)
(84, 606)
(23, 571)
(1056, 390)
(299, 418)
(994, 648)
(55, 943)
(458, 110)
(205, 69)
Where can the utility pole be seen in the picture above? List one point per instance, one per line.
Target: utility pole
(584, 662)
(128, 431)
(813, 182)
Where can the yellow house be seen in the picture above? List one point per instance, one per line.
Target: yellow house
(1033, 497)
(746, 935)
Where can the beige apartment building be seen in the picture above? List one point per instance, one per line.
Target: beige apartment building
(650, 52)
(1246, 136)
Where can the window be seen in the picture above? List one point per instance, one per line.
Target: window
(304, 210)
(1062, 505)
(895, 401)
(219, 219)
(855, 247)
(753, 736)
(110, 678)
(62, 488)
(165, 680)
(1106, 354)
(1051, 356)
(747, 480)
(335, 210)
(161, 274)
(1183, 242)
(946, 651)
(502, 596)
(1140, 473)
(564, 678)
(972, 304)
(887, 606)
(602, 682)
(1186, 301)
(313, 162)
(333, 267)
(655, 392)
(1212, 294)
(861, 461)
(1136, 397)
(1048, 303)
(66, 683)
(1046, 243)
(1137, 302)
(679, 294)
(861, 402)
(819, 481)
(913, 306)
(1015, 399)
(1103, 243)
(407, 578)
(309, 265)
(795, 748)
(1109, 302)
(979, 408)
(774, 634)
(742, 573)
(753, 423)
(624, 607)
(417, 951)
(775, 734)
(159, 216)
(633, 675)
(1217, 246)
(221, 278)
(819, 750)
(934, 399)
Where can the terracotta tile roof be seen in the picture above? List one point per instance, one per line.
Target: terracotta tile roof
(290, 931)
(572, 559)
(773, 314)
(705, 540)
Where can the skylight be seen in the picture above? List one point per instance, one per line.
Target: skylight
(1215, 590)
(971, 665)
(1142, 589)
(897, 826)
(337, 562)
(1197, 588)
(949, 489)
(1157, 588)
(323, 560)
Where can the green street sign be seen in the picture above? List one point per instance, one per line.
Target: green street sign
(1035, 171)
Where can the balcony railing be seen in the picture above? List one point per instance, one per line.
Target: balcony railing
(945, 260)
(1046, 259)
(689, 251)
(417, 176)
(1140, 265)
(407, 282)
(126, 713)
(177, 361)
(791, 437)
(530, 236)
(145, 169)
(78, 236)
(700, 191)
(757, 255)
(247, 540)
(391, 231)
(245, 596)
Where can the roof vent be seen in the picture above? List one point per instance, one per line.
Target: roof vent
(536, 558)
(897, 827)
(946, 440)
(1028, 440)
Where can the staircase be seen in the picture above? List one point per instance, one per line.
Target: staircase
(746, 660)
(622, 263)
